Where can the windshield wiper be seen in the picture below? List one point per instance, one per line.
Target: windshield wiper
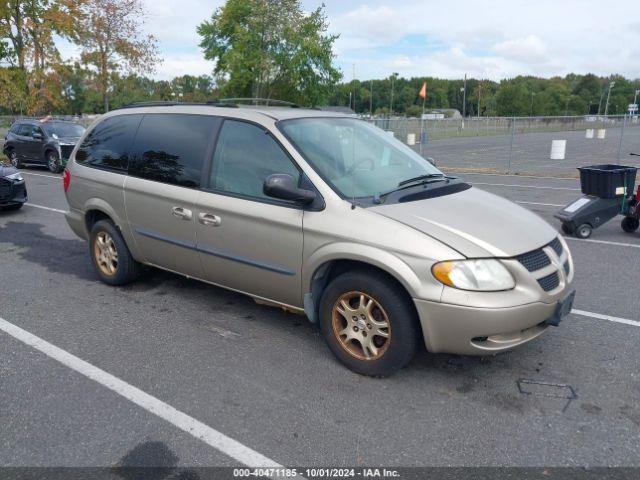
(413, 182)
(421, 177)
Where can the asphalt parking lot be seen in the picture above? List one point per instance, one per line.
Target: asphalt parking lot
(229, 382)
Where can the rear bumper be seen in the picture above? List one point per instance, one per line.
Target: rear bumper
(76, 222)
(480, 331)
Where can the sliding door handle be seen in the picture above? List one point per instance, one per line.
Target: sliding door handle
(182, 213)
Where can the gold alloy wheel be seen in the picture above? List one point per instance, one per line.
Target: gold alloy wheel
(104, 250)
(361, 326)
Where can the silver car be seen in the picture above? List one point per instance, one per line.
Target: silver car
(321, 214)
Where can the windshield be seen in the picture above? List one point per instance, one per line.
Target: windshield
(355, 157)
(63, 129)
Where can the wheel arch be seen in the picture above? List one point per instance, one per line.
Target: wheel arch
(323, 268)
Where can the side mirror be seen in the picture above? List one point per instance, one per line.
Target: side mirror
(284, 187)
(37, 136)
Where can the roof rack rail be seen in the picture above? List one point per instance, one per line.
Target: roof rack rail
(257, 100)
(169, 103)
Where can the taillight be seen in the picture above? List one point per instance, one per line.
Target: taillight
(66, 178)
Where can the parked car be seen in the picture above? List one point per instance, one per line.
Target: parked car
(320, 214)
(41, 142)
(13, 192)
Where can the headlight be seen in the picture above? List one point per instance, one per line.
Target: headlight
(15, 176)
(478, 275)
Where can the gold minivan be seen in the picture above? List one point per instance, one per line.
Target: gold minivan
(324, 215)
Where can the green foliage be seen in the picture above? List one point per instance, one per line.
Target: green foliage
(519, 96)
(271, 49)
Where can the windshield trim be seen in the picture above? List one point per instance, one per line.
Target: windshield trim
(367, 198)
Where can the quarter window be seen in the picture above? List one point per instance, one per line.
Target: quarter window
(171, 148)
(245, 156)
(107, 145)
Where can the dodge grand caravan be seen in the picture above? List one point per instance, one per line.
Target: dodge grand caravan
(321, 214)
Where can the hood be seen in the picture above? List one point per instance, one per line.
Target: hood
(6, 170)
(475, 223)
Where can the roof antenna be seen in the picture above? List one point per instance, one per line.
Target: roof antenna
(353, 202)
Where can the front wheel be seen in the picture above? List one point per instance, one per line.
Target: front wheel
(630, 224)
(111, 257)
(53, 162)
(369, 323)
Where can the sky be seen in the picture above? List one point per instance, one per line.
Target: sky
(485, 39)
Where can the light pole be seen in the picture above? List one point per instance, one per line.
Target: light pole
(464, 97)
(479, 93)
(393, 81)
(606, 107)
(371, 101)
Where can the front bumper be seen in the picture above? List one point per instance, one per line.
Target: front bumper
(463, 330)
(12, 193)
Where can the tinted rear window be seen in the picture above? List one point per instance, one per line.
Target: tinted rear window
(107, 145)
(171, 148)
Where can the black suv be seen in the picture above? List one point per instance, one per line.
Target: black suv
(41, 142)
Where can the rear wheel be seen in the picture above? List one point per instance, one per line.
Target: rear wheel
(13, 158)
(583, 231)
(111, 257)
(630, 224)
(53, 162)
(369, 323)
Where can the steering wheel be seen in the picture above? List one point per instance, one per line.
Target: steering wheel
(369, 160)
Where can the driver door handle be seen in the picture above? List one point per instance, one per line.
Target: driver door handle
(183, 213)
(209, 219)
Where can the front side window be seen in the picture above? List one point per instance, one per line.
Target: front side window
(107, 145)
(171, 148)
(357, 159)
(245, 156)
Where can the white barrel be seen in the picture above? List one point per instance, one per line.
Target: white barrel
(602, 132)
(411, 138)
(390, 132)
(589, 133)
(558, 149)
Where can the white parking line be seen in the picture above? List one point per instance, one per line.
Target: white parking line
(190, 425)
(604, 242)
(57, 177)
(44, 208)
(537, 187)
(542, 204)
(608, 318)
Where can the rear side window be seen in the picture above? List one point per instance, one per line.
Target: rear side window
(26, 130)
(15, 127)
(107, 145)
(171, 148)
(245, 156)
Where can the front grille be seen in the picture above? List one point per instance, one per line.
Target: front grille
(550, 282)
(557, 246)
(66, 151)
(535, 260)
(5, 188)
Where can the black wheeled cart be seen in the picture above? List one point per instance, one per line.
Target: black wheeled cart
(608, 191)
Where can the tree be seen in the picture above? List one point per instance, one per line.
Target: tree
(111, 41)
(271, 48)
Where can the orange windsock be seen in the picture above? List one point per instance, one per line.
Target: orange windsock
(423, 91)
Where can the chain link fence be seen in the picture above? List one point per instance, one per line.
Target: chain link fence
(520, 145)
(516, 145)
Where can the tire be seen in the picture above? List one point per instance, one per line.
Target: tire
(567, 229)
(53, 162)
(583, 231)
(14, 159)
(630, 224)
(122, 269)
(390, 302)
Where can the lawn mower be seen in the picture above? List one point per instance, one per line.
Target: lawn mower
(608, 192)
